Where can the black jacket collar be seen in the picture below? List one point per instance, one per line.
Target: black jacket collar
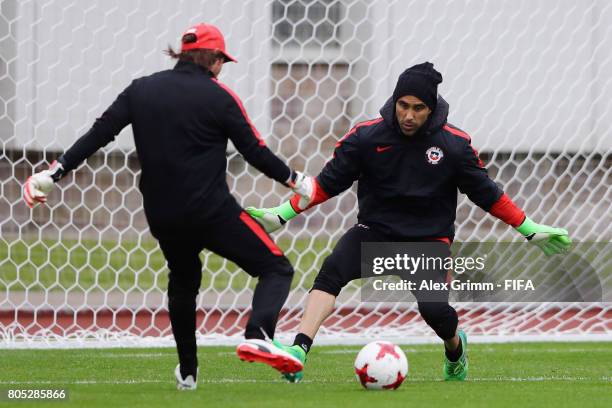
(188, 66)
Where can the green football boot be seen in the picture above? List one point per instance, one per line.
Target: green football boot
(457, 371)
(297, 352)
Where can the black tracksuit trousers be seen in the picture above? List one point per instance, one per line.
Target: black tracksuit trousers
(242, 240)
(343, 266)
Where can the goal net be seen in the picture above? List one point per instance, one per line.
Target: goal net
(528, 80)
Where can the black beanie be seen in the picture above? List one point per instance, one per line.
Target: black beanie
(420, 80)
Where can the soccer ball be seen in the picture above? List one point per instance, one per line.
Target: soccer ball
(381, 365)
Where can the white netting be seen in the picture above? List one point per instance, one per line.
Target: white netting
(530, 80)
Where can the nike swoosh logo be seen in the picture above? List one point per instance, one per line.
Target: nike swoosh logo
(380, 149)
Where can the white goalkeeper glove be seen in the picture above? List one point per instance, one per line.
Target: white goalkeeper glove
(303, 186)
(39, 185)
(274, 218)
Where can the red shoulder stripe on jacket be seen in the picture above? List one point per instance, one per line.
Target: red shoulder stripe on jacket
(244, 113)
(357, 126)
(462, 134)
(457, 132)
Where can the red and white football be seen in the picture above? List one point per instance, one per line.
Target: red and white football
(381, 365)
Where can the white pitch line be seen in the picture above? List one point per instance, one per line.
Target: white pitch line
(251, 381)
(355, 350)
(80, 382)
(135, 355)
(149, 355)
(539, 379)
(486, 350)
(406, 350)
(547, 350)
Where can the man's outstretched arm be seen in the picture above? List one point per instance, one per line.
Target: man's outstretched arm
(103, 131)
(274, 218)
(337, 176)
(550, 239)
(474, 181)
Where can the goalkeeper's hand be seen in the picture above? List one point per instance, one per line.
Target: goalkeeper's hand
(550, 240)
(302, 185)
(272, 219)
(38, 185)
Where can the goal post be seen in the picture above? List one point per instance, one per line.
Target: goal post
(531, 83)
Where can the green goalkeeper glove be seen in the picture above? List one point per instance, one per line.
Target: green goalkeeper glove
(550, 240)
(272, 219)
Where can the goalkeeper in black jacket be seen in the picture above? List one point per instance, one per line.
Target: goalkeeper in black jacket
(409, 164)
(182, 119)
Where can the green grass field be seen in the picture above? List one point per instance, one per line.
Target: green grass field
(501, 375)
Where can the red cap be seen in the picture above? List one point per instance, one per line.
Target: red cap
(207, 37)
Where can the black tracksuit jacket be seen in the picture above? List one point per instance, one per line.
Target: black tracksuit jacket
(407, 186)
(182, 119)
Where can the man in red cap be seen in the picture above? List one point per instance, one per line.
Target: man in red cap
(205, 38)
(182, 119)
